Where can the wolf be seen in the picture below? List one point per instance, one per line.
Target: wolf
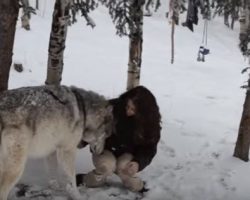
(42, 121)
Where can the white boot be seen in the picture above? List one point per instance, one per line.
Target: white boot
(93, 179)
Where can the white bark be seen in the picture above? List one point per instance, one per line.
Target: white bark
(243, 20)
(57, 42)
(135, 52)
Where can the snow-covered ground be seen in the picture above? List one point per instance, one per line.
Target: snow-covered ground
(200, 102)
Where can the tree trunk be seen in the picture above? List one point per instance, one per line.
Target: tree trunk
(232, 23)
(243, 141)
(57, 41)
(8, 17)
(235, 11)
(37, 4)
(135, 48)
(226, 19)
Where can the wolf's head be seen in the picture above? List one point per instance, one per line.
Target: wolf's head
(98, 118)
(99, 126)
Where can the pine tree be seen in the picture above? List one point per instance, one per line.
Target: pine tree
(227, 8)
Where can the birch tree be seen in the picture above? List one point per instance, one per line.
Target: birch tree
(136, 14)
(60, 23)
(8, 17)
(135, 44)
(57, 41)
(128, 19)
(243, 141)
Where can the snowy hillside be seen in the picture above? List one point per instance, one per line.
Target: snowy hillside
(200, 102)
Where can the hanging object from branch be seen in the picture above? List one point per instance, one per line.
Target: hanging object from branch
(203, 50)
(206, 13)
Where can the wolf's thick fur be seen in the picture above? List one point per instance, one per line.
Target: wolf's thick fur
(39, 121)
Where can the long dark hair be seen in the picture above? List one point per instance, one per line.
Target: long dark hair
(147, 120)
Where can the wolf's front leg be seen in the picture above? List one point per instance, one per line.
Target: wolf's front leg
(66, 159)
(13, 156)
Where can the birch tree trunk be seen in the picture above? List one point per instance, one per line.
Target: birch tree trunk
(135, 47)
(243, 141)
(8, 18)
(57, 41)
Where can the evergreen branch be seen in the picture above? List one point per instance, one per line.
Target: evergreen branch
(245, 70)
(84, 7)
(27, 9)
(245, 87)
(124, 13)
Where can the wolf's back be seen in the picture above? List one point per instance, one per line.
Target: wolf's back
(29, 104)
(30, 96)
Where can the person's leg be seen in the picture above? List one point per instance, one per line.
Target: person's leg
(104, 166)
(131, 181)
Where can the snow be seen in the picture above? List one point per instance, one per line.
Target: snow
(200, 102)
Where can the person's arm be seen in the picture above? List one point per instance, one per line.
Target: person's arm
(144, 154)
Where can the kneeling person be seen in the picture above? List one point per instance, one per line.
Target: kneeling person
(133, 143)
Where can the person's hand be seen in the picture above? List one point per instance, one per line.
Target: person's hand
(132, 168)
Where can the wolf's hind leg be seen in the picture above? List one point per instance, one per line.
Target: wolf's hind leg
(66, 160)
(52, 168)
(13, 155)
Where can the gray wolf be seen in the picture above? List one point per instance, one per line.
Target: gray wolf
(48, 121)
(133, 144)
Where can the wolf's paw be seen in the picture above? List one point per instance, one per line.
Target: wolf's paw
(54, 185)
(73, 192)
(22, 189)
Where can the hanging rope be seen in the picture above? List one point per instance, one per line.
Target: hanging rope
(204, 36)
(203, 50)
(172, 42)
